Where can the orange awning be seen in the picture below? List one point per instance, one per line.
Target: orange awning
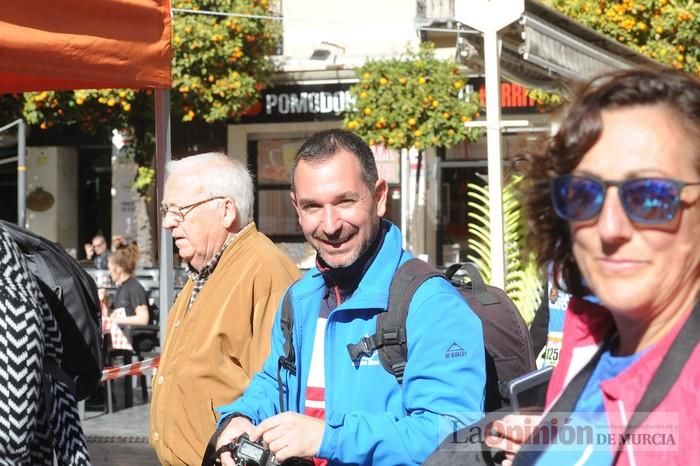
(78, 44)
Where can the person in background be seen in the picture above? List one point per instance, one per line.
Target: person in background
(127, 309)
(130, 303)
(219, 327)
(98, 252)
(615, 207)
(335, 407)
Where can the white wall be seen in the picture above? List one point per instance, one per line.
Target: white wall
(362, 27)
(55, 170)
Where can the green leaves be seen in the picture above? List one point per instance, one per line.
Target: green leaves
(414, 100)
(145, 177)
(221, 63)
(523, 283)
(664, 30)
(667, 31)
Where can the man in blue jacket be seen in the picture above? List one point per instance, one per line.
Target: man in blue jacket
(344, 411)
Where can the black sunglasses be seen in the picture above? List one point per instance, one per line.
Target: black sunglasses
(646, 201)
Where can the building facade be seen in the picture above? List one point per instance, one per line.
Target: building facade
(323, 42)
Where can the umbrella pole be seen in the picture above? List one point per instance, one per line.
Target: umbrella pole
(165, 256)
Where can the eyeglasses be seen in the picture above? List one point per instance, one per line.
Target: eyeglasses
(179, 212)
(646, 201)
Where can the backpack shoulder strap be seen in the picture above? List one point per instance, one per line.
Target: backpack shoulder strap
(390, 337)
(478, 287)
(288, 359)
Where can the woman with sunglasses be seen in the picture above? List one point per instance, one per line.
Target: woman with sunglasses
(614, 205)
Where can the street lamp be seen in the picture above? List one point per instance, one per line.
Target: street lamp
(21, 170)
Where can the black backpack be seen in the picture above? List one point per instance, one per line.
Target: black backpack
(509, 351)
(71, 294)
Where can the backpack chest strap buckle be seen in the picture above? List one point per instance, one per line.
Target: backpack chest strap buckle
(364, 347)
(367, 345)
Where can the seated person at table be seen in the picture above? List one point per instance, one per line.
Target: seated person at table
(98, 252)
(130, 303)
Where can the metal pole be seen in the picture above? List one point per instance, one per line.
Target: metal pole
(405, 173)
(163, 155)
(21, 174)
(21, 170)
(493, 144)
(493, 15)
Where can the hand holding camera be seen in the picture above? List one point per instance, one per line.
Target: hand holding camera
(288, 438)
(247, 453)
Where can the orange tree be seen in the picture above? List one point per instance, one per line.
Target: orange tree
(220, 65)
(412, 101)
(667, 31)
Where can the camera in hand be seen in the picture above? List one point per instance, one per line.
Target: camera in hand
(247, 453)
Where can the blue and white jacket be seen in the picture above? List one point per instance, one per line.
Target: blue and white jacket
(370, 418)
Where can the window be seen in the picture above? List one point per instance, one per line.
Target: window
(275, 215)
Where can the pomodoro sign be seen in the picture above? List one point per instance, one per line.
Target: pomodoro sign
(301, 103)
(308, 102)
(329, 101)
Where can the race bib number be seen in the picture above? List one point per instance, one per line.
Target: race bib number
(551, 352)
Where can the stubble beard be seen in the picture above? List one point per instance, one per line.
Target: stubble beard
(329, 259)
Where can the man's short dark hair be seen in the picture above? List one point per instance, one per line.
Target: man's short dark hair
(325, 144)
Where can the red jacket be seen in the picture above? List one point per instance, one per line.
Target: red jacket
(673, 433)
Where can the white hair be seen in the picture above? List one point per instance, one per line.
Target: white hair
(219, 175)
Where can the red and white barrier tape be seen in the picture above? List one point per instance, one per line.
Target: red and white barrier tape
(145, 367)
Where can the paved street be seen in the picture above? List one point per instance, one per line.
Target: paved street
(122, 454)
(119, 438)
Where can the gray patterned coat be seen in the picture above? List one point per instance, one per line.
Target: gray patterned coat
(39, 420)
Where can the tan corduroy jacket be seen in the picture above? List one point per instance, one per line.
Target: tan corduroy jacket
(213, 349)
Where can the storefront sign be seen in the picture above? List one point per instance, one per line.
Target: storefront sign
(307, 102)
(323, 102)
(301, 103)
(514, 98)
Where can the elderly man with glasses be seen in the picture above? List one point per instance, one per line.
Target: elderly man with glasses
(219, 327)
